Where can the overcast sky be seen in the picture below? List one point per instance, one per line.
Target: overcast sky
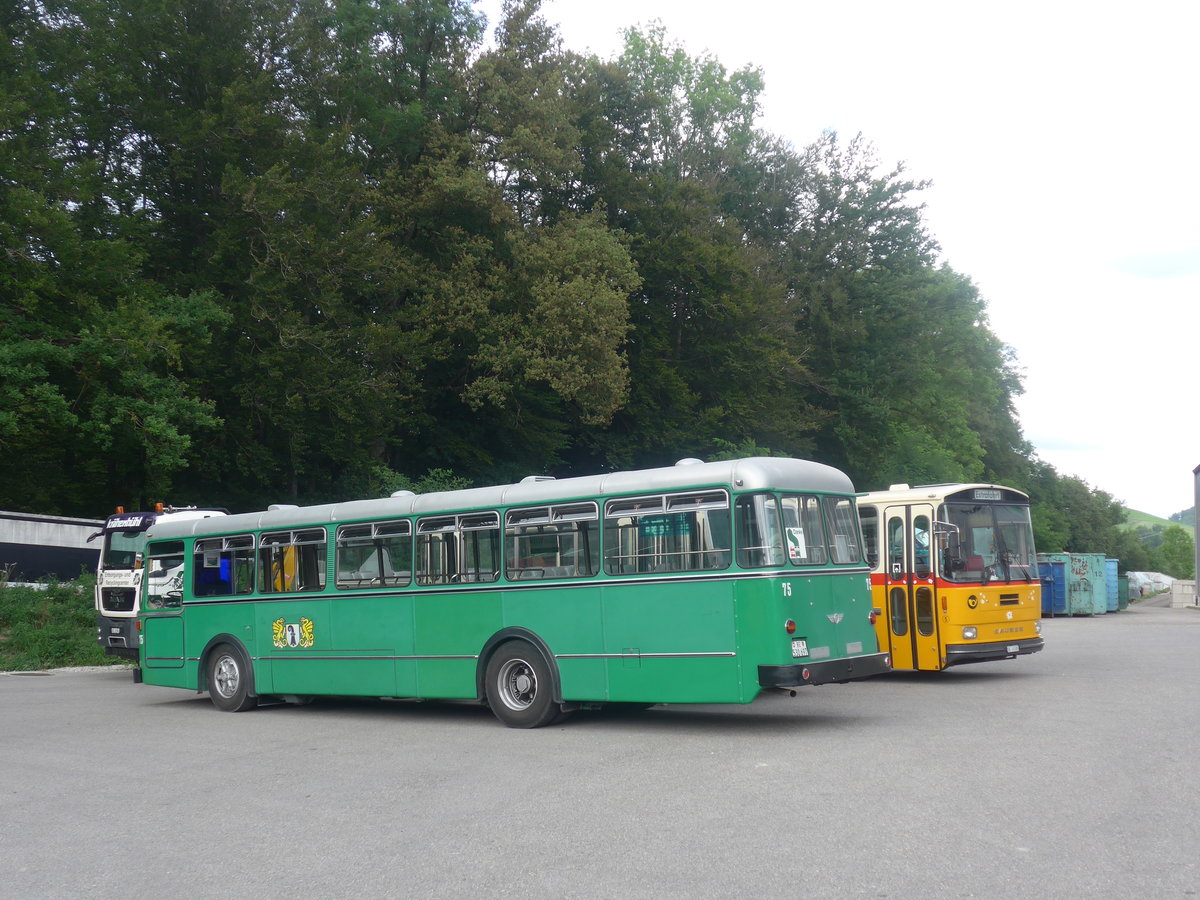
(1062, 140)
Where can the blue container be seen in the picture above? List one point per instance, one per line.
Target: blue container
(1112, 597)
(1052, 569)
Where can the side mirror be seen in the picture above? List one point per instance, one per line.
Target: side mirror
(952, 553)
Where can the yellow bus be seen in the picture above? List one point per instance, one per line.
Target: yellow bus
(954, 573)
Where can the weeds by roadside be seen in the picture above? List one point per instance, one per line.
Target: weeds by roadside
(48, 628)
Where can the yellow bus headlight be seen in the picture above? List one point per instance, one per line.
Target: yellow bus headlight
(970, 632)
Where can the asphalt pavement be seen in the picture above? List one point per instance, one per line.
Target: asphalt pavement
(1069, 773)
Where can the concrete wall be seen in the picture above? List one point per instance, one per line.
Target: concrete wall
(34, 546)
(1183, 593)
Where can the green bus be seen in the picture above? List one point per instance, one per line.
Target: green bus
(696, 583)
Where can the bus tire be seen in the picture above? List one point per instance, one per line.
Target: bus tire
(229, 678)
(519, 686)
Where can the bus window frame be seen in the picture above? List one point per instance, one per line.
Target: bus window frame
(171, 594)
(382, 537)
(758, 531)
(808, 519)
(870, 533)
(309, 546)
(852, 552)
(457, 537)
(654, 521)
(213, 551)
(554, 523)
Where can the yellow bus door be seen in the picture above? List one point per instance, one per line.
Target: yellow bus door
(908, 578)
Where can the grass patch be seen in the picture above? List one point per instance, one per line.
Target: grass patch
(1135, 519)
(49, 628)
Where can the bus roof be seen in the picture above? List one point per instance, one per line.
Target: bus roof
(903, 493)
(755, 473)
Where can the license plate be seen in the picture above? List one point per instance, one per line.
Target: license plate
(1014, 648)
(799, 648)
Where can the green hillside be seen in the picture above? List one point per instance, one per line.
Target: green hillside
(1135, 519)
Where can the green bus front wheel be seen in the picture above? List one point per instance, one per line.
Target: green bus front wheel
(229, 680)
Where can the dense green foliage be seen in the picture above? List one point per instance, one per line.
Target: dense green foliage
(1185, 517)
(1163, 548)
(310, 249)
(43, 629)
(1176, 554)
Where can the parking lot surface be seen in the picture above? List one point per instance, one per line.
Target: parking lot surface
(1070, 773)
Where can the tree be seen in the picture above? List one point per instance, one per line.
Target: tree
(1070, 516)
(1177, 555)
(525, 115)
(393, 301)
(281, 250)
(1132, 553)
(668, 148)
(94, 408)
(907, 376)
(1185, 516)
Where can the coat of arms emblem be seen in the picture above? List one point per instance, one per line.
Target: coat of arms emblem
(292, 634)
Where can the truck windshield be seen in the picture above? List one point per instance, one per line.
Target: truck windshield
(123, 549)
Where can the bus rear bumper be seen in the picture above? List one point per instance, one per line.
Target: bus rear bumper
(966, 653)
(824, 672)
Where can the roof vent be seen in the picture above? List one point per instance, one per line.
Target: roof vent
(690, 461)
(898, 487)
(402, 494)
(276, 507)
(530, 479)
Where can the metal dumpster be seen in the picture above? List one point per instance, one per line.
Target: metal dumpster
(1052, 569)
(1112, 589)
(1122, 592)
(1072, 584)
(1089, 567)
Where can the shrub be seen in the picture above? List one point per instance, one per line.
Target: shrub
(49, 626)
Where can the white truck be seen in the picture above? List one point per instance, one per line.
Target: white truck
(121, 578)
